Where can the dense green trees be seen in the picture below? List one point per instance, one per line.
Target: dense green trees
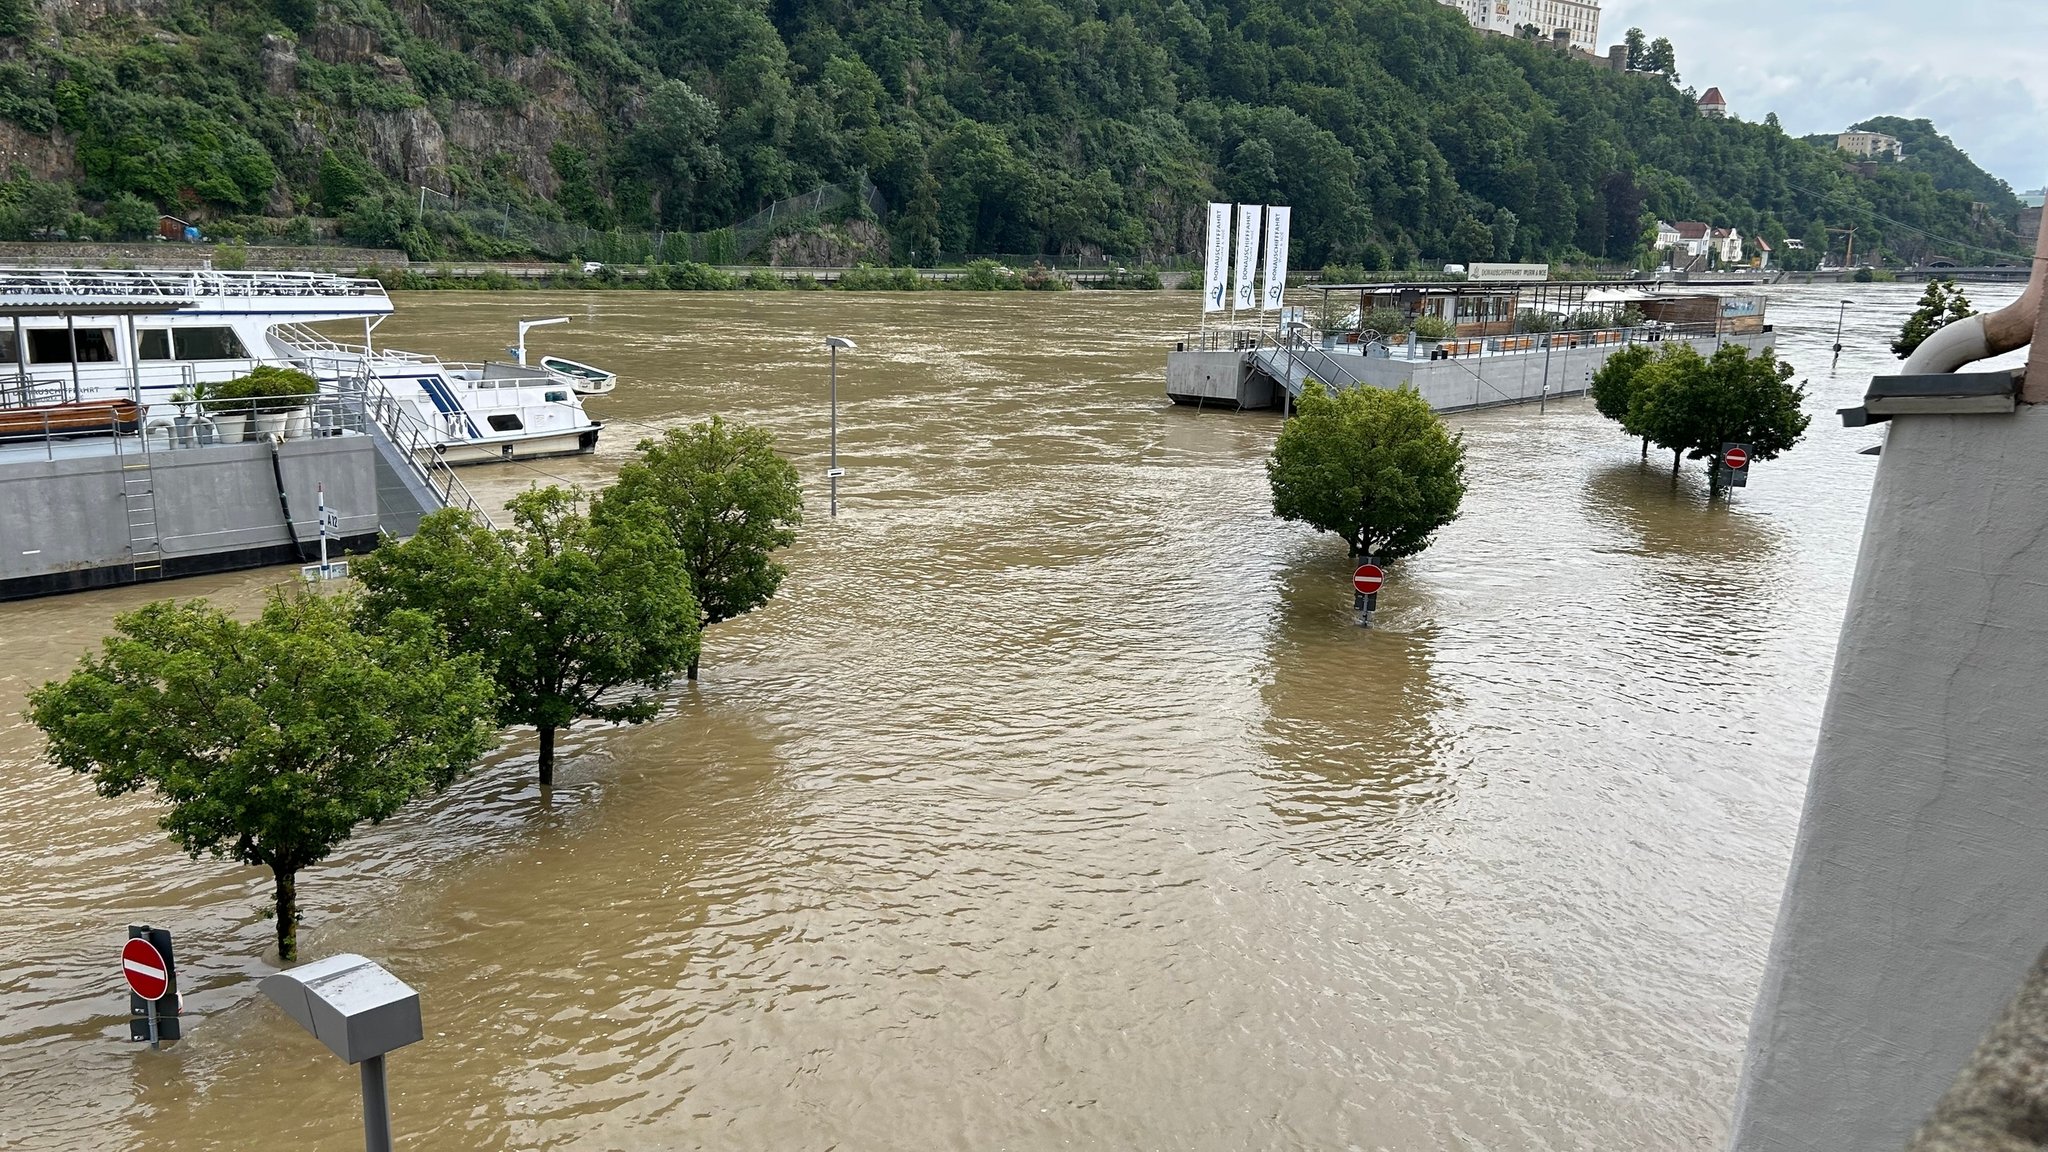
(1398, 133)
(269, 741)
(1693, 404)
(565, 610)
(1376, 467)
(729, 503)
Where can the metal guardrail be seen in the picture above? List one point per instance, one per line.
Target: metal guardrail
(415, 442)
(171, 287)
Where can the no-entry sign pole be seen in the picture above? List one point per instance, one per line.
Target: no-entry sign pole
(152, 978)
(1365, 588)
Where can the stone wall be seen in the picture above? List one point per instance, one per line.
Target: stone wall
(168, 254)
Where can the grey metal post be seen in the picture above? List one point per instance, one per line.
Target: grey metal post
(376, 1107)
(833, 472)
(1840, 314)
(134, 362)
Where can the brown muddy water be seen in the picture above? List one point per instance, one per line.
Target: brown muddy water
(1057, 801)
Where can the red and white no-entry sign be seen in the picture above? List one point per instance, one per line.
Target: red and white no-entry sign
(1368, 579)
(1735, 458)
(143, 966)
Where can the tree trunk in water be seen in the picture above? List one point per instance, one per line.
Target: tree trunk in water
(1674, 462)
(693, 668)
(547, 755)
(287, 915)
(1646, 447)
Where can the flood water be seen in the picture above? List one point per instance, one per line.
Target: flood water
(1056, 802)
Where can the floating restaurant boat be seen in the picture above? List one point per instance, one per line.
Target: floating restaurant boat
(1504, 342)
(161, 333)
(116, 466)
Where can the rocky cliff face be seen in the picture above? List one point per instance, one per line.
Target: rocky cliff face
(410, 131)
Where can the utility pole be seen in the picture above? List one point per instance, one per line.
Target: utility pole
(1848, 258)
(1841, 312)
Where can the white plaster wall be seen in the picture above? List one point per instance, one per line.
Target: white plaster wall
(1918, 896)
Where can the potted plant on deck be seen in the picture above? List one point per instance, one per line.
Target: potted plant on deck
(278, 399)
(229, 405)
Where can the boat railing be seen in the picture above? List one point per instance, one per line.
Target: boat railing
(120, 426)
(303, 341)
(29, 285)
(421, 449)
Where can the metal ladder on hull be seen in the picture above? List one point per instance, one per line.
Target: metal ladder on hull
(138, 498)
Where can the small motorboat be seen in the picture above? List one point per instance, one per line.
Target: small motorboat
(586, 379)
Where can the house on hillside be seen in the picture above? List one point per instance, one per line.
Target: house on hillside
(1574, 22)
(2029, 221)
(1714, 105)
(1870, 145)
(1691, 240)
(1763, 254)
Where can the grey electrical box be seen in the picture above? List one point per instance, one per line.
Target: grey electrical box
(350, 1004)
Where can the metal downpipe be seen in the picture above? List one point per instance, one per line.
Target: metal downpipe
(1981, 337)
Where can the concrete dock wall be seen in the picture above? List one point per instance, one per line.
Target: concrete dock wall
(64, 523)
(1918, 896)
(1227, 379)
(1216, 380)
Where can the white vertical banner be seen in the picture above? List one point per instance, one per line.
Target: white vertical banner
(1249, 220)
(1216, 266)
(1277, 222)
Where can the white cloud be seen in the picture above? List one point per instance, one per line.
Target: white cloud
(1971, 66)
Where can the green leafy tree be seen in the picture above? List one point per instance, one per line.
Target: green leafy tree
(1638, 48)
(1376, 467)
(1693, 404)
(565, 612)
(269, 741)
(1941, 305)
(1616, 383)
(729, 503)
(1661, 57)
(129, 217)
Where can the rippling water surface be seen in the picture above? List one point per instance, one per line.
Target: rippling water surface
(1056, 802)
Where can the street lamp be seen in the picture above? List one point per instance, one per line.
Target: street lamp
(833, 471)
(361, 1012)
(1839, 314)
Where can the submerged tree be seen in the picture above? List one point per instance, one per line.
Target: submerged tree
(1615, 386)
(269, 741)
(1941, 305)
(729, 502)
(1693, 405)
(564, 611)
(1376, 467)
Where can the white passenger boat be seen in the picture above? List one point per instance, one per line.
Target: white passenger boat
(152, 335)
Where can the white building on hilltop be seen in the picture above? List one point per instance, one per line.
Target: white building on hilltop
(1871, 145)
(1579, 18)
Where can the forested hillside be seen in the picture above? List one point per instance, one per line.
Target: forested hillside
(1400, 135)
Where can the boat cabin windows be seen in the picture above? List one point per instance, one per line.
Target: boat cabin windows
(560, 396)
(7, 355)
(54, 345)
(506, 422)
(191, 344)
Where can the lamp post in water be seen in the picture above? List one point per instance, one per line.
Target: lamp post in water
(833, 471)
(1839, 314)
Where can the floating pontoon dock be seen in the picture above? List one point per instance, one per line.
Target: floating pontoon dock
(1494, 355)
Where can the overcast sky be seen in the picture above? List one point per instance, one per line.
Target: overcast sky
(1977, 68)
